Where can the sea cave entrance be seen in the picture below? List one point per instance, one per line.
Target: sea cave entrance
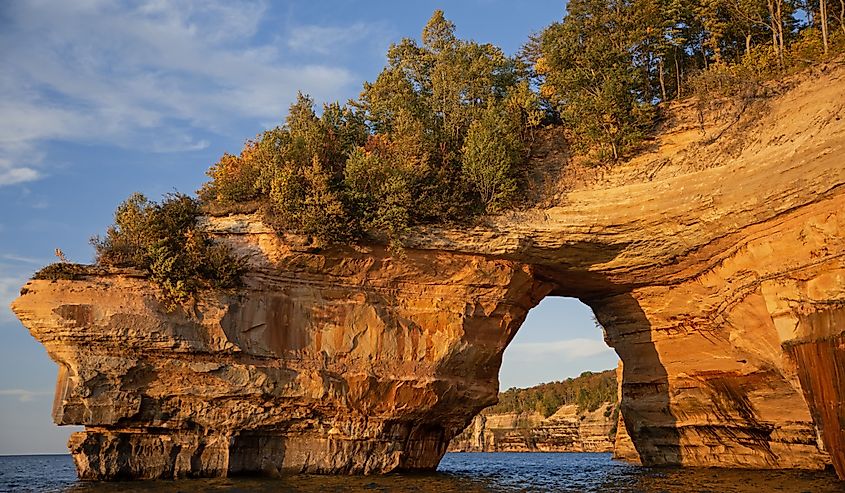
(558, 388)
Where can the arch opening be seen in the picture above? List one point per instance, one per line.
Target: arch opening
(558, 388)
(559, 339)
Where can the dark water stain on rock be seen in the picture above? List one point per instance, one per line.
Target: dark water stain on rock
(821, 369)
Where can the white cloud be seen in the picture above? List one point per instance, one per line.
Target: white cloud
(179, 143)
(325, 39)
(24, 395)
(11, 175)
(24, 260)
(569, 348)
(152, 75)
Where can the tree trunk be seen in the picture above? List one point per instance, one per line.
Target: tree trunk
(748, 41)
(649, 88)
(770, 5)
(660, 69)
(678, 74)
(776, 23)
(842, 15)
(780, 30)
(823, 15)
(774, 36)
(716, 43)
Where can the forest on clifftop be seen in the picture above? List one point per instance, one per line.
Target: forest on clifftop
(444, 133)
(588, 391)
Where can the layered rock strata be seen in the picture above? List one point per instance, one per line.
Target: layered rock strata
(567, 430)
(355, 364)
(715, 262)
(623, 446)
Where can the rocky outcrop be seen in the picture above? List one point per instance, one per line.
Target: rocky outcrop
(623, 446)
(567, 430)
(715, 261)
(358, 363)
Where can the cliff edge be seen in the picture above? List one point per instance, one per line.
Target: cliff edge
(714, 261)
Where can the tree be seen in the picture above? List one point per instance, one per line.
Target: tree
(677, 33)
(446, 83)
(841, 16)
(591, 78)
(125, 242)
(424, 104)
(304, 182)
(525, 110)
(164, 240)
(589, 391)
(380, 183)
(394, 157)
(490, 154)
(711, 15)
(750, 18)
(775, 8)
(823, 16)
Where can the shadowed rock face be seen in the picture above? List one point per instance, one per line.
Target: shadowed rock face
(720, 286)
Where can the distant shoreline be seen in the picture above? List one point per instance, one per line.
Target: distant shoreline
(45, 454)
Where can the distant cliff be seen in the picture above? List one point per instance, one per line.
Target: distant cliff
(567, 430)
(573, 415)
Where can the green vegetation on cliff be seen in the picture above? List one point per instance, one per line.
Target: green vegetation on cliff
(609, 64)
(164, 240)
(440, 135)
(444, 132)
(588, 391)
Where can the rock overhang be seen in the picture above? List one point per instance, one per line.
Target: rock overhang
(721, 289)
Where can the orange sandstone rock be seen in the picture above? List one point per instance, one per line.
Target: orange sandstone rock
(714, 261)
(567, 430)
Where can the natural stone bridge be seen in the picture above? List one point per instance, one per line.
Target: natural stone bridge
(721, 287)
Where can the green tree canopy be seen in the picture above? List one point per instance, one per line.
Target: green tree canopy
(438, 136)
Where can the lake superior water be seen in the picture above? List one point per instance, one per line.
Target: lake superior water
(459, 472)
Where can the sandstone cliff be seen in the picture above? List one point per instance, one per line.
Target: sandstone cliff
(567, 430)
(358, 363)
(715, 261)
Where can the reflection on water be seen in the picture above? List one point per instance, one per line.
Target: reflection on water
(463, 473)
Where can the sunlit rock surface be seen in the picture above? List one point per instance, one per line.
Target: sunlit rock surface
(567, 430)
(714, 261)
(357, 364)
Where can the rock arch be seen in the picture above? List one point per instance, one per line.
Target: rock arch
(721, 288)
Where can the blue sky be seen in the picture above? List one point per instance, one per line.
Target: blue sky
(98, 100)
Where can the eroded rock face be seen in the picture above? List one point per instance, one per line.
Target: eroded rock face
(355, 364)
(567, 430)
(721, 285)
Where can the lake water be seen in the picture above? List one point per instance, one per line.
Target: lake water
(464, 473)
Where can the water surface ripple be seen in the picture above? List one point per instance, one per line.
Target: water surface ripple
(458, 473)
